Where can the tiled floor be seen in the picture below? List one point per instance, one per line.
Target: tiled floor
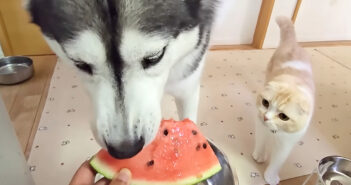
(227, 111)
(25, 101)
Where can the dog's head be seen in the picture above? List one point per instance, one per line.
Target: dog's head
(124, 51)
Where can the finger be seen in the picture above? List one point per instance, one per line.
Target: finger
(103, 181)
(84, 175)
(122, 178)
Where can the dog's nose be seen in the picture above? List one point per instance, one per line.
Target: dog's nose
(126, 149)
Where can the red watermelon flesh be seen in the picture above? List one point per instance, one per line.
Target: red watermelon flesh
(179, 155)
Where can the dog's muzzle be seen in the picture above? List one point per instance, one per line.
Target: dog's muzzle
(126, 149)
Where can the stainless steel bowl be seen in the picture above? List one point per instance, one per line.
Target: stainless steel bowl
(15, 69)
(334, 170)
(223, 177)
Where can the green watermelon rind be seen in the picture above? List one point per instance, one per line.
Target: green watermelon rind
(102, 168)
(109, 173)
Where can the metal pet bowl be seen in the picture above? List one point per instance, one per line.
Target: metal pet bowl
(334, 170)
(15, 69)
(223, 177)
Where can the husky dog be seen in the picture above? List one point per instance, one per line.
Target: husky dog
(128, 54)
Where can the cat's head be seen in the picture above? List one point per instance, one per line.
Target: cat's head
(284, 107)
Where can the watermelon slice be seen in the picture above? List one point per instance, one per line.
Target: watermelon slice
(179, 155)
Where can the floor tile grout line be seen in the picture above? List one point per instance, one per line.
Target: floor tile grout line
(334, 60)
(35, 117)
(30, 142)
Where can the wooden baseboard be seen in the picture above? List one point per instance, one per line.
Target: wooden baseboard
(42, 55)
(303, 44)
(232, 47)
(326, 43)
(45, 78)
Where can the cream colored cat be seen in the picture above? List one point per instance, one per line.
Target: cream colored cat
(286, 104)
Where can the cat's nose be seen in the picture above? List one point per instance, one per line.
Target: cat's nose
(265, 118)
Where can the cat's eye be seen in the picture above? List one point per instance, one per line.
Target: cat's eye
(283, 117)
(153, 59)
(265, 103)
(83, 66)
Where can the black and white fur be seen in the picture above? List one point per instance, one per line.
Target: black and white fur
(129, 53)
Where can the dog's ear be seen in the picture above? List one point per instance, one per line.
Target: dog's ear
(25, 4)
(193, 7)
(33, 7)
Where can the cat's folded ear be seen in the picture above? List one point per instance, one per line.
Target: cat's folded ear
(275, 85)
(272, 85)
(303, 107)
(305, 100)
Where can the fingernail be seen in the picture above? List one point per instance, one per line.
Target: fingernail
(124, 175)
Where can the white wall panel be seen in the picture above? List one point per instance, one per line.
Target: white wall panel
(281, 7)
(236, 22)
(324, 20)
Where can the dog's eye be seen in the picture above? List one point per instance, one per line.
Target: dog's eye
(153, 59)
(84, 66)
(283, 117)
(265, 103)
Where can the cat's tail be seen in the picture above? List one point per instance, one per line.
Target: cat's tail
(287, 30)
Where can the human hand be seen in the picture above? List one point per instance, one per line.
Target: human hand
(85, 175)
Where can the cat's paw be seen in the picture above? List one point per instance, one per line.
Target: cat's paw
(271, 178)
(259, 157)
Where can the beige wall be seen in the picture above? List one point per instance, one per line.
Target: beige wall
(281, 7)
(317, 20)
(324, 20)
(236, 22)
(1, 52)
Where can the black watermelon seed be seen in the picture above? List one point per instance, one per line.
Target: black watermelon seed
(165, 132)
(204, 145)
(194, 132)
(198, 147)
(150, 163)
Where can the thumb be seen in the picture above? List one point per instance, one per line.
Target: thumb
(122, 178)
